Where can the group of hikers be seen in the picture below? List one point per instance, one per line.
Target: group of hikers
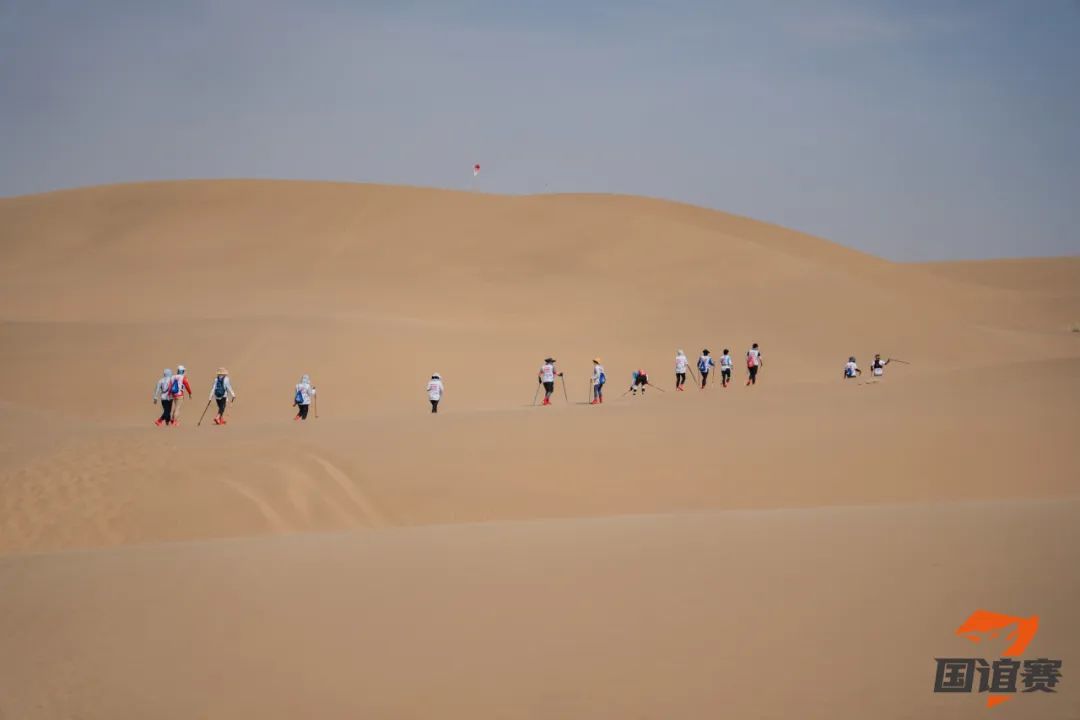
(172, 389)
(877, 368)
(639, 379)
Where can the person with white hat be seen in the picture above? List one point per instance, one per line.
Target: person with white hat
(303, 397)
(161, 392)
(681, 364)
(222, 392)
(179, 386)
(435, 391)
(599, 378)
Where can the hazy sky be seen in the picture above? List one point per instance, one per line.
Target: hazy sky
(912, 129)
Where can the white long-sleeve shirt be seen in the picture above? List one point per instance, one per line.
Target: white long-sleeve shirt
(228, 388)
(307, 392)
(435, 389)
(597, 371)
(681, 363)
(162, 388)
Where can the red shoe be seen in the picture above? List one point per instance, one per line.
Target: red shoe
(174, 423)
(296, 418)
(158, 422)
(595, 402)
(217, 421)
(546, 402)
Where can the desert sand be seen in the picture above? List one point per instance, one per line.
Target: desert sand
(803, 548)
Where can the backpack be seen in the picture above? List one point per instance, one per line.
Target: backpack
(751, 360)
(299, 398)
(219, 387)
(701, 365)
(176, 389)
(602, 379)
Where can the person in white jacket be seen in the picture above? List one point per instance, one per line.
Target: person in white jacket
(222, 392)
(435, 391)
(681, 363)
(161, 392)
(303, 397)
(851, 370)
(599, 379)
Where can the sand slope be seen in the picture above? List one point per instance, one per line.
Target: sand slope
(615, 578)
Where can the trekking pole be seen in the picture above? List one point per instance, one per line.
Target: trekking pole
(537, 393)
(565, 396)
(203, 413)
(692, 374)
(315, 402)
(905, 362)
(653, 386)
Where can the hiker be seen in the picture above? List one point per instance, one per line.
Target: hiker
(161, 392)
(222, 392)
(598, 380)
(725, 368)
(753, 363)
(851, 370)
(177, 388)
(305, 394)
(640, 379)
(703, 364)
(877, 368)
(435, 391)
(681, 364)
(546, 376)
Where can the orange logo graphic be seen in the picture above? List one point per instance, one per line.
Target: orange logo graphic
(986, 625)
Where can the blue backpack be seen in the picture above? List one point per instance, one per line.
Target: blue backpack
(176, 389)
(299, 399)
(219, 387)
(603, 377)
(701, 365)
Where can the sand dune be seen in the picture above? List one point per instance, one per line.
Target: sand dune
(702, 525)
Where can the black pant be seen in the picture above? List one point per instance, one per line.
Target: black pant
(549, 387)
(725, 376)
(680, 379)
(166, 410)
(753, 374)
(434, 406)
(704, 377)
(221, 403)
(304, 411)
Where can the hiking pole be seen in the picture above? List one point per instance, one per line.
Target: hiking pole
(537, 393)
(905, 362)
(315, 402)
(565, 396)
(653, 386)
(204, 413)
(692, 374)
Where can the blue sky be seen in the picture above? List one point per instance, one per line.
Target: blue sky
(913, 130)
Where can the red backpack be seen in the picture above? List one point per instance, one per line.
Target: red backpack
(750, 358)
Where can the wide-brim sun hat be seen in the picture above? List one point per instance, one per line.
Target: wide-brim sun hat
(596, 360)
(549, 359)
(222, 371)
